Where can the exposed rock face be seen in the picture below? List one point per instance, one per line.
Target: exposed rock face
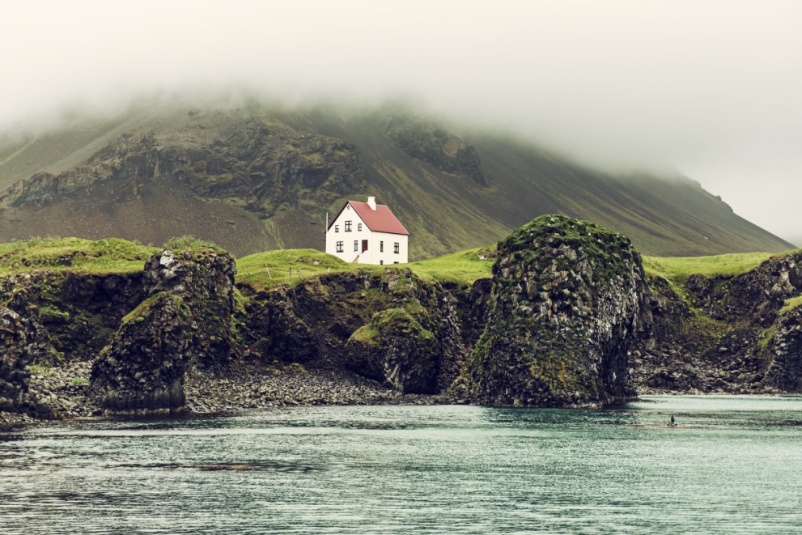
(784, 352)
(143, 368)
(568, 299)
(436, 146)
(395, 348)
(393, 327)
(205, 281)
(22, 341)
(727, 335)
(185, 320)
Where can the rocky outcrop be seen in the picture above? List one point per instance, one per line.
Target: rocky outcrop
(143, 369)
(392, 327)
(185, 320)
(783, 353)
(725, 334)
(395, 349)
(568, 299)
(22, 342)
(430, 143)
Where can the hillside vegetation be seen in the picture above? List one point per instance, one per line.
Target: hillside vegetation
(262, 177)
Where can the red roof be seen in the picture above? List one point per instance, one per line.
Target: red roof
(381, 219)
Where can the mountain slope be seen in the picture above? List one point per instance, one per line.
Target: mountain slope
(260, 177)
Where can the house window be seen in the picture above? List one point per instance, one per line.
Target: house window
(397, 248)
(395, 262)
(336, 228)
(381, 246)
(356, 246)
(359, 227)
(381, 262)
(347, 226)
(340, 247)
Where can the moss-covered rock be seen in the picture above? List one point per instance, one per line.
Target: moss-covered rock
(185, 320)
(143, 368)
(313, 321)
(568, 298)
(395, 349)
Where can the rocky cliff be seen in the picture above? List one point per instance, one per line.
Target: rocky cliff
(568, 300)
(186, 319)
(566, 320)
(391, 327)
(733, 333)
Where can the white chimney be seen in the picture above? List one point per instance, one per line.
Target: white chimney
(372, 203)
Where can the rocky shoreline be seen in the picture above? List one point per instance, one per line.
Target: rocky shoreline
(251, 385)
(570, 318)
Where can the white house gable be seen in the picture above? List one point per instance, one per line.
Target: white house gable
(367, 233)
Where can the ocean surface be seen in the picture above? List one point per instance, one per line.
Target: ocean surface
(731, 465)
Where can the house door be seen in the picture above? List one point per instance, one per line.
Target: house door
(364, 245)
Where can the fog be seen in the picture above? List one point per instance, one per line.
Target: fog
(710, 89)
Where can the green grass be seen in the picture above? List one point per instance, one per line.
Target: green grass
(270, 268)
(791, 304)
(101, 256)
(462, 268)
(678, 269)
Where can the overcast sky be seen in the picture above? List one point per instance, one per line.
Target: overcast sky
(712, 89)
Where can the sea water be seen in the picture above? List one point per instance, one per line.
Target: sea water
(730, 465)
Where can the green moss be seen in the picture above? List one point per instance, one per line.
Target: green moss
(791, 304)
(765, 337)
(141, 312)
(41, 369)
(367, 334)
(191, 243)
(52, 315)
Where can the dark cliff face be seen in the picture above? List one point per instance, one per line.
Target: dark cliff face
(728, 334)
(568, 299)
(394, 328)
(185, 320)
(22, 341)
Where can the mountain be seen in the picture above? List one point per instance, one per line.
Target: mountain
(262, 176)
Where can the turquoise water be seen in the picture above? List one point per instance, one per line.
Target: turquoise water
(732, 465)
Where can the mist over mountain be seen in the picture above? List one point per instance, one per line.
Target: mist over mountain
(254, 174)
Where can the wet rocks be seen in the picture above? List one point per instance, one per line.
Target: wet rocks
(568, 299)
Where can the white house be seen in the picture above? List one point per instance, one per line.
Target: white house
(367, 233)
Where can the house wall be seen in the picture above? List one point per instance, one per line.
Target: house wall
(373, 255)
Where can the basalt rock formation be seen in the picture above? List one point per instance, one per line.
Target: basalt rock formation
(394, 327)
(728, 334)
(568, 300)
(22, 342)
(185, 320)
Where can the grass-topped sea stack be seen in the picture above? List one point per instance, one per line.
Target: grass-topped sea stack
(568, 298)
